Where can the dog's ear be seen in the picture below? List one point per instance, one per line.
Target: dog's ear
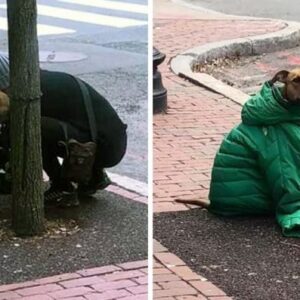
(281, 76)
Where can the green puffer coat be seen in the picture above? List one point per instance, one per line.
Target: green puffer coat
(257, 168)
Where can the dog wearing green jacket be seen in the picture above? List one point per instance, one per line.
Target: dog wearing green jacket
(256, 169)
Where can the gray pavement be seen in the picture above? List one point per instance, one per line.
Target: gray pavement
(278, 9)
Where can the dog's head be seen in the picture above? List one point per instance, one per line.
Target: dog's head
(79, 153)
(291, 81)
(4, 106)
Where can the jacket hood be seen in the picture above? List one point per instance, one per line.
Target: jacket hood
(268, 107)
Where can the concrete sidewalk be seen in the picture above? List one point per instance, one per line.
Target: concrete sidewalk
(188, 136)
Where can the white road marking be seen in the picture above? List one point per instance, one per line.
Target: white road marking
(85, 17)
(41, 28)
(114, 5)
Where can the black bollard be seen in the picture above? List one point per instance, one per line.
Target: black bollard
(159, 92)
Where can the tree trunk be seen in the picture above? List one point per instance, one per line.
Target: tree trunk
(25, 119)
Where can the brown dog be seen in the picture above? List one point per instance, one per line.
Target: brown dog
(291, 93)
(4, 106)
(79, 161)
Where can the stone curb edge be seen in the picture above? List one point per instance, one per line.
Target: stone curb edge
(182, 64)
(130, 195)
(129, 184)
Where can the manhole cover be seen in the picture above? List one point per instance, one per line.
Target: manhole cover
(58, 57)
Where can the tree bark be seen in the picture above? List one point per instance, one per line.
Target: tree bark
(25, 119)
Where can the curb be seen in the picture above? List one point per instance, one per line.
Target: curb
(183, 63)
(129, 184)
(127, 194)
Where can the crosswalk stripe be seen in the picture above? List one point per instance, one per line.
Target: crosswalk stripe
(114, 5)
(85, 17)
(41, 28)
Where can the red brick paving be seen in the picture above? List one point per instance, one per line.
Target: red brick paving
(187, 138)
(126, 281)
(173, 280)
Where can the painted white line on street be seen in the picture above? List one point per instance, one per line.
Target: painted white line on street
(41, 28)
(85, 17)
(129, 183)
(114, 5)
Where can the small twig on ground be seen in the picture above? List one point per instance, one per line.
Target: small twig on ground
(290, 244)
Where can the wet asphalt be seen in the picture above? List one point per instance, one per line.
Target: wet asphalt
(277, 9)
(246, 257)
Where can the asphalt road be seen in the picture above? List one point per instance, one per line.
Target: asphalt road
(278, 9)
(111, 38)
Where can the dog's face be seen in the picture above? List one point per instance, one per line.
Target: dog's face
(291, 82)
(4, 106)
(81, 152)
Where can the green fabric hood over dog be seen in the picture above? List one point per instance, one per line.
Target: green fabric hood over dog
(257, 168)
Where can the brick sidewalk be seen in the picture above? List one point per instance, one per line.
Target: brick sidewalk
(187, 138)
(174, 280)
(127, 281)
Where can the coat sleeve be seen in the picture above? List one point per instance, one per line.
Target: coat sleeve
(280, 159)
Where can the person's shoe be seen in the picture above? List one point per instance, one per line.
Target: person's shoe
(91, 188)
(62, 197)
